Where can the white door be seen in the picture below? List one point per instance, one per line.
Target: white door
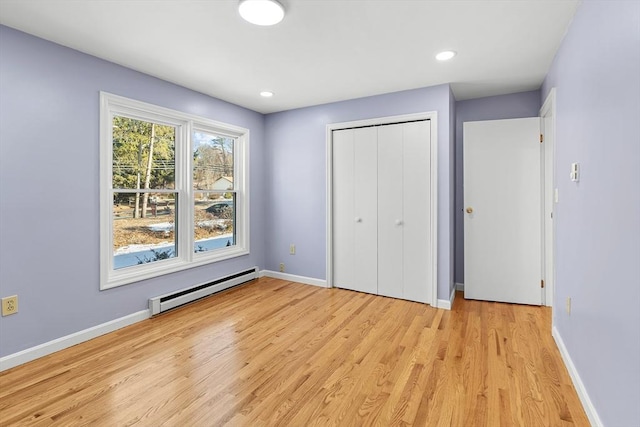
(404, 215)
(355, 209)
(390, 211)
(381, 201)
(502, 199)
(416, 221)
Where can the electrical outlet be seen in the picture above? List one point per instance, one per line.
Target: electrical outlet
(10, 305)
(569, 305)
(292, 249)
(282, 267)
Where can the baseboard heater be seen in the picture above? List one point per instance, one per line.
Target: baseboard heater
(175, 299)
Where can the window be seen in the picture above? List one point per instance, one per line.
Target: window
(173, 191)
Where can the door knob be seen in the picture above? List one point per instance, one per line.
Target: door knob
(358, 219)
(399, 222)
(469, 210)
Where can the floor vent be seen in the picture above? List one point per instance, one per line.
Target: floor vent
(166, 302)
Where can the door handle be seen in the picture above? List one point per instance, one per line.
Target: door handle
(358, 219)
(399, 222)
(469, 210)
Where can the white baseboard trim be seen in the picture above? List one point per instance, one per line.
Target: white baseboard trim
(294, 278)
(577, 381)
(447, 304)
(459, 286)
(29, 354)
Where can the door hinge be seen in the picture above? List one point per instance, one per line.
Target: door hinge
(542, 283)
(541, 138)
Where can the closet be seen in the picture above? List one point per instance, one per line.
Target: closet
(381, 210)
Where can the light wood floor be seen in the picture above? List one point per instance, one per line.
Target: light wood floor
(275, 353)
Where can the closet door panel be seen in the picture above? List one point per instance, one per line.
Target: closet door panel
(365, 218)
(390, 211)
(343, 209)
(417, 213)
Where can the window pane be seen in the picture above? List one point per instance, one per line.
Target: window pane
(215, 217)
(143, 228)
(212, 162)
(143, 154)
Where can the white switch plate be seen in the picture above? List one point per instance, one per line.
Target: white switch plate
(575, 172)
(292, 249)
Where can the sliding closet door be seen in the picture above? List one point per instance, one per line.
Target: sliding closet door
(355, 209)
(416, 206)
(390, 211)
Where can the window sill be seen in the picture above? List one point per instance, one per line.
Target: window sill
(130, 275)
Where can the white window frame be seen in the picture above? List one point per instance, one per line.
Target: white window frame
(185, 124)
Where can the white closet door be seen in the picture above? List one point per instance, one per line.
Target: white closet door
(365, 200)
(382, 210)
(343, 209)
(416, 199)
(355, 216)
(390, 211)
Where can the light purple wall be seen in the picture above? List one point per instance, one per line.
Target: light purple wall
(49, 194)
(296, 177)
(597, 76)
(514, 106)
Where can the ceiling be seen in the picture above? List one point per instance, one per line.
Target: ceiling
(323, 51)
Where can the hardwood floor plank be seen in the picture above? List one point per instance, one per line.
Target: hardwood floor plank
(280, 353)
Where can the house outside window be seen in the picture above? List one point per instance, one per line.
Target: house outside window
(174, 191)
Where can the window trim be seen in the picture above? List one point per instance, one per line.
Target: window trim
(185, 124)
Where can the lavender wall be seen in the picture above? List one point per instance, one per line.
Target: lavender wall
(597, 76)
(49, 160)
(296, 177)
(514, 106)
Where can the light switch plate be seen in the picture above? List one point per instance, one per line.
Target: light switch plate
(575, 172)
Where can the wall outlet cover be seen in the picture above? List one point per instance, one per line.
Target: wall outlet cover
(10, 305)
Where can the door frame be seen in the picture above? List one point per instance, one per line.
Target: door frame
(548, 110)
(432, 116)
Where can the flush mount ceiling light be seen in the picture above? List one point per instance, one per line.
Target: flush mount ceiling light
(445, 55)
(261, 12)
(266, 94)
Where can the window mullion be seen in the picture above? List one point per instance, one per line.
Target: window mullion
(185, 216)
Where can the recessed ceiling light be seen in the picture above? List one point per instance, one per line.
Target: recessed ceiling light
(266, 94)
(445, 55)
(261, 12)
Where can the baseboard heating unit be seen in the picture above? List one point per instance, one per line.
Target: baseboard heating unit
(175, 299)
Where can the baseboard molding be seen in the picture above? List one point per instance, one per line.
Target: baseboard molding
(294, 278)
(29, 354)
(447, 304)
(577, 381)
(459, 286)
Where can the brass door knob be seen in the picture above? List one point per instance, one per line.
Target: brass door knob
(469, 210)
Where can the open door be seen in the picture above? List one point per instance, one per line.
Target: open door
(502, 199)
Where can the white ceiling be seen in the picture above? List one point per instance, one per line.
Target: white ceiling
(323, 50)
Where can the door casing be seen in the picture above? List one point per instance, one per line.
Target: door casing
(548, 129)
